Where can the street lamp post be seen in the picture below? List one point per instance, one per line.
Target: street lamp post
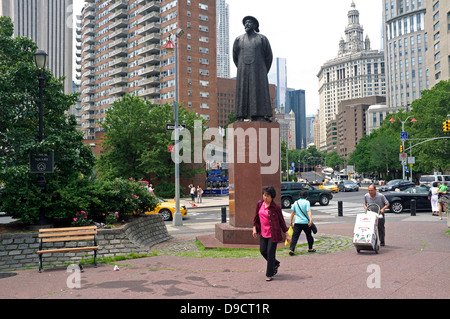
(177, 217)
(403, 140)
(40, 60)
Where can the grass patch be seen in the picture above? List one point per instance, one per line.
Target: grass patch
(223, 252)
(114, 259)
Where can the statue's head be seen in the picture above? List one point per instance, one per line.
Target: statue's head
(250, 23)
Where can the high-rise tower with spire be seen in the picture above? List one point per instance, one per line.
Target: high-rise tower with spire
(356, 72)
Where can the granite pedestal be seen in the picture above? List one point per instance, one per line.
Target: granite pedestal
(254, 162)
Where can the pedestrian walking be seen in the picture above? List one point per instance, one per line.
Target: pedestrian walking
(270, 225)
(301, 210)
(374, 197)
(442, 198)
(192, 192)
(199, 194)
(433, 197)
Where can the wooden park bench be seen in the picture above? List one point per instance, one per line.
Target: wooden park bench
(51, 235)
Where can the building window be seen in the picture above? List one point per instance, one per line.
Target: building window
(436, 26)
(436, 6)
(437, 56)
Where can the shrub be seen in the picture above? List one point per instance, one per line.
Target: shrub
(22, 199)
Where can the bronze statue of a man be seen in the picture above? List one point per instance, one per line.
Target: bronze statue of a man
(253, 57)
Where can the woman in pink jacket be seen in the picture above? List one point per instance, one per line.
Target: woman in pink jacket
(269, 223)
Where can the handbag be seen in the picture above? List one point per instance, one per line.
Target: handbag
(313, 226)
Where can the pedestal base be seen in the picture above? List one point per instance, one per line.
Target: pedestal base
(254, 162)
(229, 234)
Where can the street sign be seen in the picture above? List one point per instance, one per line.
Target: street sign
(42, 162)
(404, 135)
(403, 156)
(171, 127)
(411, 160)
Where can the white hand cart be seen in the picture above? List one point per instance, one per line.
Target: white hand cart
(365, 233)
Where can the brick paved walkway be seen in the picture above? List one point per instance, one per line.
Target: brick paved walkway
(323, 243)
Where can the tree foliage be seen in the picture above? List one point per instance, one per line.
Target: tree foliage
(19, 100)
(378, 153)
(136, 140)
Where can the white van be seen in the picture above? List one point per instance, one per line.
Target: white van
(428, 180)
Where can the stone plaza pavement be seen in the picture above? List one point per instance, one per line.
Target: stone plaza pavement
(415, 263)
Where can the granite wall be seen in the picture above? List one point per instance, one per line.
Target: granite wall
(18, 250)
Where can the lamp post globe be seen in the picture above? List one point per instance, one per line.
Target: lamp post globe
(40, 59)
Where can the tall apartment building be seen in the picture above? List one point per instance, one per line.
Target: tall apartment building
(309, 129)
(122, 51)
(437, 30)
(223, 39)
(405, 48)
(281, 69)
(357, 71)
(352, 123)
(49, 24)
(295, 101)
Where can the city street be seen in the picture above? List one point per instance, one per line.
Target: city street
(201, 220)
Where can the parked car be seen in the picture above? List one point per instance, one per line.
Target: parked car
(401, 201)
(394, 184)
(329, 186)
(428, 180)
(348, 186)
(166, 209)
(290, 193)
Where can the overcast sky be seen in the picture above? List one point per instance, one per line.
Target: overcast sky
(304, 32)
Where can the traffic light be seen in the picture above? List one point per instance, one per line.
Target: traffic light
(446, 126)
(401, 148)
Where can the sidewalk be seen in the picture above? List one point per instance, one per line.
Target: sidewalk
(415, 263)
(207, 201)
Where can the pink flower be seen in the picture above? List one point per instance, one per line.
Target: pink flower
(75, 219)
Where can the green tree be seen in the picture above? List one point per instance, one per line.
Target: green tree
(19, 100)
(379, 151)
(430, 111)
(136, 141)
(334, 160)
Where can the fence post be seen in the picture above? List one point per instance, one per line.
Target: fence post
(224, 214)
(413, 207)
(340, 209)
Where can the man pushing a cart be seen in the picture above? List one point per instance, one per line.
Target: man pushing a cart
(374, 197)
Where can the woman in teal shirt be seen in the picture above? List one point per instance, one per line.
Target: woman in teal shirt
(301, 210)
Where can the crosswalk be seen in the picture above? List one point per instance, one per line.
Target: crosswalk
(349, 209)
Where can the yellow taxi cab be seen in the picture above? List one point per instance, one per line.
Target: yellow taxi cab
(329, 186)
(166, 208)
